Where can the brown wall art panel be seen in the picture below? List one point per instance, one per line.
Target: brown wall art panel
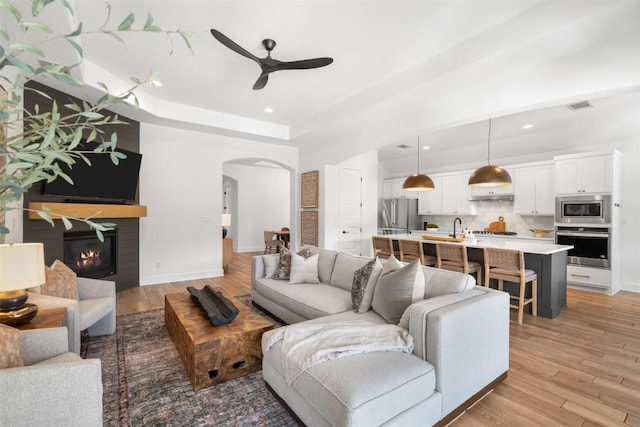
(309, 228)
(309, 190)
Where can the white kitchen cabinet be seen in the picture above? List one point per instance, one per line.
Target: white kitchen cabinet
(588, 174)
(430, 202)
(533, 187)
(455, 195)
(392, 189)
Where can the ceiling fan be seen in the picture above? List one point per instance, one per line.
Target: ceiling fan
(268, 64)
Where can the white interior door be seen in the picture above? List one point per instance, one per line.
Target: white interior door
(350, 221)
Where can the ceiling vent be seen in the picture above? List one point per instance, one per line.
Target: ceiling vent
(579, 105)
(403, 146)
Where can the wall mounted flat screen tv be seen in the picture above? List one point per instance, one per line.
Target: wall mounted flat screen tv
(102, 181)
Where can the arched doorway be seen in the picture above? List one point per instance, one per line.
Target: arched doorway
(259, 197)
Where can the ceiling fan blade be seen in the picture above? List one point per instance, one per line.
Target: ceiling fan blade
(303, 64)
(261, 82)
(233, 45)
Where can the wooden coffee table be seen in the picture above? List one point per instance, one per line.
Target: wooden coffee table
(213, 354)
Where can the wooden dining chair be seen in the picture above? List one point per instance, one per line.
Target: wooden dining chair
(507, 265)
(412, 249)
(382, 246)
(285, 237)
(270, 243)
(454, 258)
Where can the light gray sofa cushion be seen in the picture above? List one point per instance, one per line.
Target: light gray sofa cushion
(326, 260)
(343, 269)
(364, 389)
(439, 282)
(397, 290)
(306, 300)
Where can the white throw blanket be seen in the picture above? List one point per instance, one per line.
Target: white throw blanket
(304, 345)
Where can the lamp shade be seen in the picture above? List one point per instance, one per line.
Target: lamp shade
(489, 176)
(418, 182)
(21, 266)
(226, 220)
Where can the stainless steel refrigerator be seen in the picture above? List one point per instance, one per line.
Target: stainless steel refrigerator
(400, 216)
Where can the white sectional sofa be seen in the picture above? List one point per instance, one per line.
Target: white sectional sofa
(460, 336)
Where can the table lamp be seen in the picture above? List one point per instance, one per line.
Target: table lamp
(21, 267)
(226, 222)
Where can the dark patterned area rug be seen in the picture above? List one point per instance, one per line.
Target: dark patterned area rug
(146, 384)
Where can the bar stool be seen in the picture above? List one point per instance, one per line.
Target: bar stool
(412, 249)
(508, 265)
(382, 246)
(454, 257)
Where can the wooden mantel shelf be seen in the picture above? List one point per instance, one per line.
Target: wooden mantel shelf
(84, 210)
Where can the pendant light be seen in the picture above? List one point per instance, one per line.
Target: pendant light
(418, 181)
(490, 175)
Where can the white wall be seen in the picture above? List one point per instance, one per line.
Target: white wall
(181, 183)
(263, 203)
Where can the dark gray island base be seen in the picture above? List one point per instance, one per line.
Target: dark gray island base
(547, 260)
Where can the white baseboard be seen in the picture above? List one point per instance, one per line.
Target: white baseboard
(633, 287)
(179, 277)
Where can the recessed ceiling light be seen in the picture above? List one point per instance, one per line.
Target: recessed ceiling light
(268, 110)
(527, 126)
(156, 83)
(426, 147)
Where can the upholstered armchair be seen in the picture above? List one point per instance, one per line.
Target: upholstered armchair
(95, 310)
(54, 387)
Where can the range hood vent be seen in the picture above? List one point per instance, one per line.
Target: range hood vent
(491, 197)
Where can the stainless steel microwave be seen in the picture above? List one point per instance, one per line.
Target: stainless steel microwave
(592, 209)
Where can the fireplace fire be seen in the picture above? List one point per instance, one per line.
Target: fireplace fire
(88, 256)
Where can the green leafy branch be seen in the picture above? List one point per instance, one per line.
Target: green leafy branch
(34, 144)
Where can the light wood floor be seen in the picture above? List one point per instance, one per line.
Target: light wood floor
(580, 369)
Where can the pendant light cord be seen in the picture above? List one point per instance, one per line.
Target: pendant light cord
(418, 171)
(489, 145)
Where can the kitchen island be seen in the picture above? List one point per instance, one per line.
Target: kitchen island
(547, 259)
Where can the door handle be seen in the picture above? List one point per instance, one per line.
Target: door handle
(345, 232)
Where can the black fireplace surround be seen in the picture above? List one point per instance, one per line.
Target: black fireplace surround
(85, 254)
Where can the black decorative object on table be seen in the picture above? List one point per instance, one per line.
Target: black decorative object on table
(218, 309)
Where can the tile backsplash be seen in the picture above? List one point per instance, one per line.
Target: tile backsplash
(490, 211)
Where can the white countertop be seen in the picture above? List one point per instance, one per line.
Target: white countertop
(516, 237)
(533, 245)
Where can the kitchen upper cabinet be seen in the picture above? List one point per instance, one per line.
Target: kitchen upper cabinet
(455, 195)
(430, 202)
(392, 189)
(589, 174)
(534, 190)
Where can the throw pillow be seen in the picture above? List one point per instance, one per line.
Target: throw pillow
(271, 263)
(304, 270)
(61, 281)
(364, 282)
(9, 347)
(284, 266)
(397, 290)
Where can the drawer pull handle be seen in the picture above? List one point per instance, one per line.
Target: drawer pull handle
(581, 275)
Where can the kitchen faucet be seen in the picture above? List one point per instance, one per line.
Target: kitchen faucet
(454, 226)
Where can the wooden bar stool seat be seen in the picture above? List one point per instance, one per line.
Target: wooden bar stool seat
(412, 249)
(454, 258)
(507, 265)
(382, 246)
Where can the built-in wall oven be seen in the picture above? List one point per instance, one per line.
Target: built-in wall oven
(591, 245)
(584, 209)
